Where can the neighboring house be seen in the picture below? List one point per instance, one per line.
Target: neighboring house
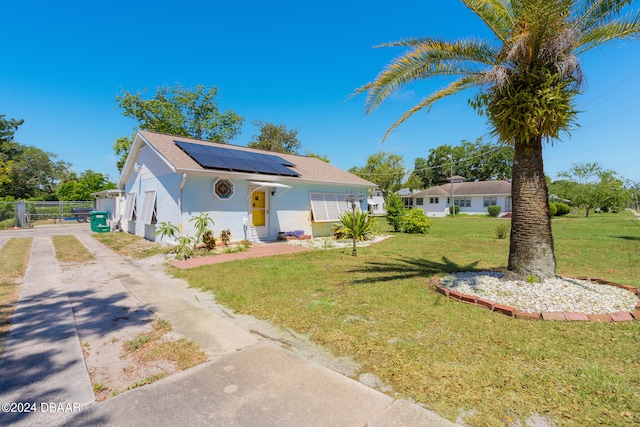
(472, 197)
(376, 202)
(407, 196)
(255, 194)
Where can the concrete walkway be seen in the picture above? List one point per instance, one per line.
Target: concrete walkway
(247, 382)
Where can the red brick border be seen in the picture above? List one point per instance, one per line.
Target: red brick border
(620, 316)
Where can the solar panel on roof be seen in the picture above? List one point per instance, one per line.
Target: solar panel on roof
(263, 157)
(221, 158)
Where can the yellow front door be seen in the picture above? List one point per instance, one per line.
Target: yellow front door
(258, 208)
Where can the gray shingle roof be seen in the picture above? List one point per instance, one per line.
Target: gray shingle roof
(309, 168)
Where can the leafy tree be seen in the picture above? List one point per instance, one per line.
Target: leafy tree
(474, 161)
(275, 138)
(178, 111)
(422, 172)
(527, 83)
(9, 149)
(384, 169)
(413, 183)
(588, 186)
(395, 211)
(634, 194)
(34, 173)
(322, 157)
(80, 188)
(612, 193)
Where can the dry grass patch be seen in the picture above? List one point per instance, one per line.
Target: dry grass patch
(14, 258)
(152, 346)
(131, 245)
(70, 249)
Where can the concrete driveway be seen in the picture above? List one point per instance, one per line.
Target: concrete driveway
(248, 379)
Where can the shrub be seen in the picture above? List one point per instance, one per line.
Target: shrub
(562, 209)
(208, 240)
(453, 209)
(225, 237)
(395, 211)
(494, 211)
(502, 231)
(416, 221)
(552, 209)
(363, 230)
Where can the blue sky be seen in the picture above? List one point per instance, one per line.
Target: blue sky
(285, 62)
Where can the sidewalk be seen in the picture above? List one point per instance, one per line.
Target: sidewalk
(248, 381)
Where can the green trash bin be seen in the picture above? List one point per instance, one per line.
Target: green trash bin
(99, 222)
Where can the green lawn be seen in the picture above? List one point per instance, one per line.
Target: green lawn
(14, 258)
(453, 357)
(69, 249)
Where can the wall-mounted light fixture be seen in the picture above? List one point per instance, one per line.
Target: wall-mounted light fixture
(136, 167)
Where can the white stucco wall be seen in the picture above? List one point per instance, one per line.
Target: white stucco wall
(441, 209)
(156, 175)
(288, 209)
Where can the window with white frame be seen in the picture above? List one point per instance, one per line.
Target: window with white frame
(408, 202)
(419, 201)
(490, 201)
(148, 211)
(327, 207)
(463, 202)
(130, 207)
(434, 200)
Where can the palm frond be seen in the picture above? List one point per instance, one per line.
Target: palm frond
(591, 13)
(427, 102)
(627, 27)
(427, 59)
(497, 14)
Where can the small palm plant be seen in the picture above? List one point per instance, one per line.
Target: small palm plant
(364, 224)
(202, 222)
(166, 229)
(184, 247)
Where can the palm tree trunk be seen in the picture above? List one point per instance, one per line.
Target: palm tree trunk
(531, 250)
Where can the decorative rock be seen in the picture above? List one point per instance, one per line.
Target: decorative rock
(554, 295)
(599, 296)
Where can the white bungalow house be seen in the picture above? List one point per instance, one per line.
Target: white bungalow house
(255, 194)
(376, 202)
(472, 197)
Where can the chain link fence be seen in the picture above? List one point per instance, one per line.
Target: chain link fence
(26, 214)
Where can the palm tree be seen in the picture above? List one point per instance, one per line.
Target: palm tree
(527, 83)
